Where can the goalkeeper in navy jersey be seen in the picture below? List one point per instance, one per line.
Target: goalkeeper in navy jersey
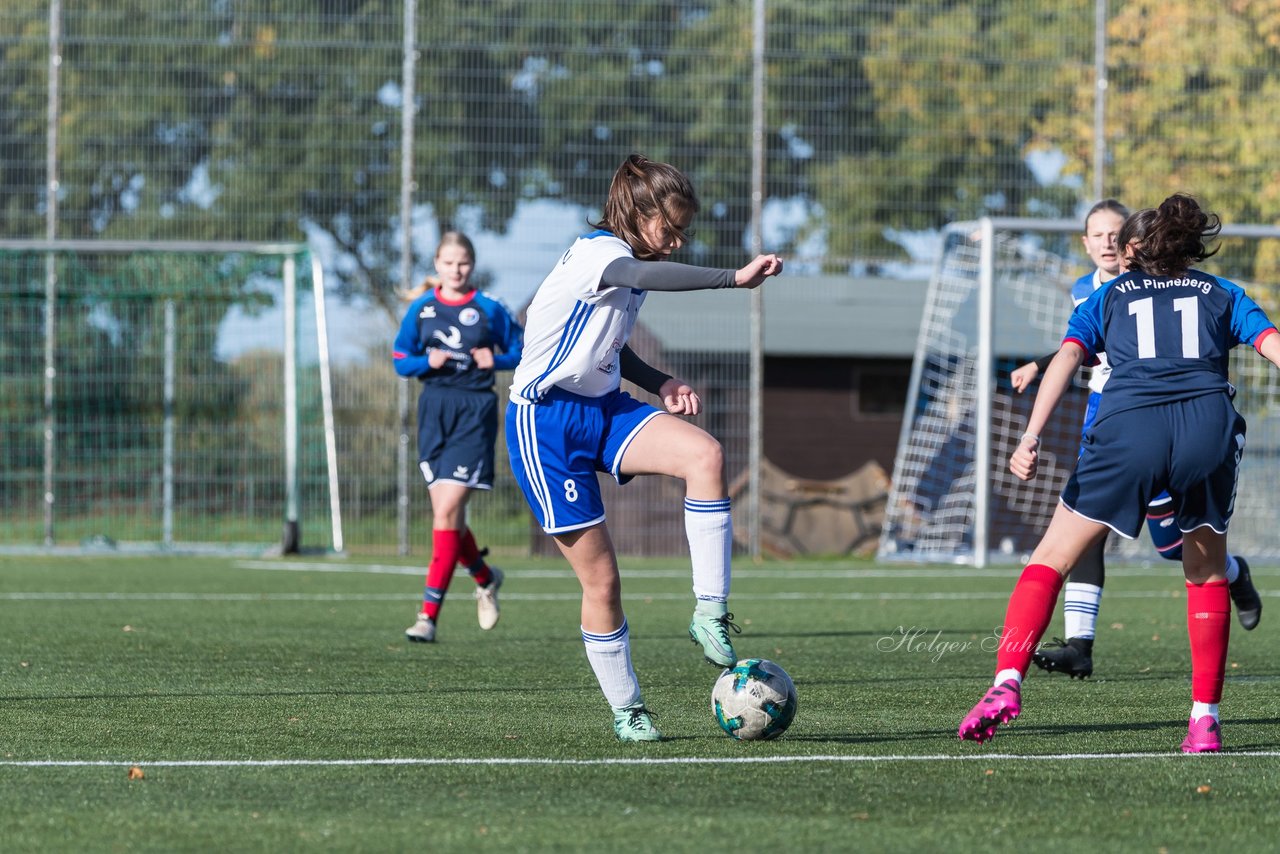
(1166, 423)
(453, 338)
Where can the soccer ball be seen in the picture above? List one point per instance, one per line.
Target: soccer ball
(754, 699)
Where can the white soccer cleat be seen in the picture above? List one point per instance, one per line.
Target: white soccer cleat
(487, 601)
(422, 631)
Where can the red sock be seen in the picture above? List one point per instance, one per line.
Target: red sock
(473, 559)
(1209, 628)
(444, 557)
(1030, 609)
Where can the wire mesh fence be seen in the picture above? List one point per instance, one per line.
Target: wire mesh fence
(145, 422)
(270, 120)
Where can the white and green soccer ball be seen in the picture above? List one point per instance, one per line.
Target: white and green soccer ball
(754, 699)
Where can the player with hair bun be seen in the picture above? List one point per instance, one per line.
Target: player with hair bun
(1165, 423)
(1082, 595)
(568, 419)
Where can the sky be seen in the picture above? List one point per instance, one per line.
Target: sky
(513, 264)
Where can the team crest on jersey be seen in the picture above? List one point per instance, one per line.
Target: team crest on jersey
(453, 339)
(468, 316)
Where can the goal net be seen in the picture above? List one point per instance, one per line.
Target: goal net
(163, 395)
(1000, 297)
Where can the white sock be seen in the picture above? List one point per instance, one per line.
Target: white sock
(1080, 609)
(1199, 710)
(610, 657)
(1005, 675)
(709, 527)
(1233, 569)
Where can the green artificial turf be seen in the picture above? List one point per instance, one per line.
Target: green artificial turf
(274, 705)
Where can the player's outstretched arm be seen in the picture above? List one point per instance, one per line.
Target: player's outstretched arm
(1057, 378)
(760, 268)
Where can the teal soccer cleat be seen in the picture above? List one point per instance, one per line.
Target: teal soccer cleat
(712, 634)
(635, 723)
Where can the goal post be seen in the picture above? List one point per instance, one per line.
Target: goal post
(158, 393)
(999, 296)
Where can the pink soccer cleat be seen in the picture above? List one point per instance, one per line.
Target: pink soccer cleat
(1000, 705)
(1204, 735)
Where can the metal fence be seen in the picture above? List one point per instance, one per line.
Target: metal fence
(842, 134)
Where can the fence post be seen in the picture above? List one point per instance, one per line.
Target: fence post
(407, 185)
(50, 264)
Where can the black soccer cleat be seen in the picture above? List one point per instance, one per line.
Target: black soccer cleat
(1073, 657)
(1245, 596)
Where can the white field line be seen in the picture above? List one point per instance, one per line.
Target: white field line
(675, 760)
(568, 596)
(739, 572)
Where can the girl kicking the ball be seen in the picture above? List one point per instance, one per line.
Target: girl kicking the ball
(568, 419)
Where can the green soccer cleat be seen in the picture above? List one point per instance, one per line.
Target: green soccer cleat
(711, 632)
(635, 723)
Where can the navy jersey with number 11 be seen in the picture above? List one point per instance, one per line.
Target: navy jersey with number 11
(1167, 338)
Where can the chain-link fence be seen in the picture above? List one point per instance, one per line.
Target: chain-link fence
(365, 128)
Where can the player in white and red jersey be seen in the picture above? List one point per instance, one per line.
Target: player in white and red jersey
(1166, 423)
(568, 419)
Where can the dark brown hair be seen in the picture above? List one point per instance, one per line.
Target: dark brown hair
(1166, 240)
(1111, 205)
(641, 190)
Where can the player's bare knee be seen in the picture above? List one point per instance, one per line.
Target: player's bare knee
(705, 462)
(602, 593)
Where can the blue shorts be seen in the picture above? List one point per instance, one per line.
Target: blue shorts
(457, 429)
(1191, 448)
(558, 444)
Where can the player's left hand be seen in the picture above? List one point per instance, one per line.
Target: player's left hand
(679, 398)
(760, 268)
(1026, 458)
(483, 357)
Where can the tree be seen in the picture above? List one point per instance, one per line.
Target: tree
(957, 90)
(1192, 106)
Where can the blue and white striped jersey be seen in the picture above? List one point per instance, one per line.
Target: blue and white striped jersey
(1081, 291)
(575, 327)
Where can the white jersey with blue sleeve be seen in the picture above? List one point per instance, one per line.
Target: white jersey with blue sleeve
(1081, 291)
(574, 328)
(1168, 338)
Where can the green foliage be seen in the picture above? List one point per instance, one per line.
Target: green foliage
(1192, 104)
(260, 120)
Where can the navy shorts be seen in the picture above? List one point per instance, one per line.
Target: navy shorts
(1091, 413)
(1189, 448)
(457, 429)
(558, 444)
